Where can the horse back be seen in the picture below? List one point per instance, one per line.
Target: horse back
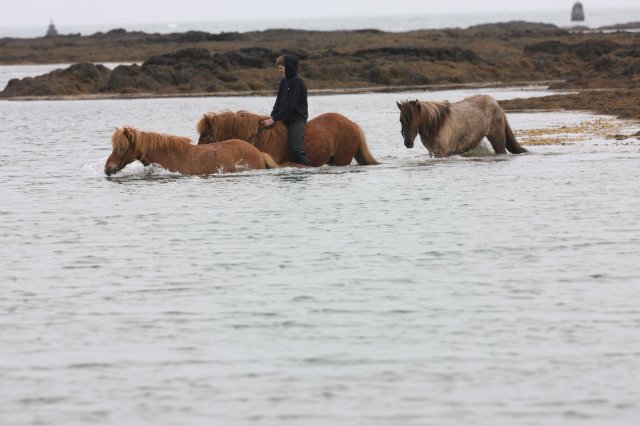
(228, 156)
(333, 138)
(331, 117)
(478, 111)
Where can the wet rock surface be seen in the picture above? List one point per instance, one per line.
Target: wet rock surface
(202, 63)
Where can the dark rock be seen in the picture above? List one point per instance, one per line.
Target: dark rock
(516, 29)
(227, 77)
(200, 36)
(632, 69)
(299, 53)
(369, 31)
(373, 73)
(605, 63)
(77, 79)
(454, 54)
(633, 52)
(627, 26)
(331, 53)
(189, 70)
(123, 77)
(130, 79)
(577, 12)
(592, 49)
(194, 37)
(180, 57)
(416, 79)
(551, 47)
(589, 50)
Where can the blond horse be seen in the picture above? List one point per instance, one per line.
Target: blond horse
(454, 128)
(177, 154)
(330, 138)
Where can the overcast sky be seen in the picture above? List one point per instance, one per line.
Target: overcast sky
(28, 13)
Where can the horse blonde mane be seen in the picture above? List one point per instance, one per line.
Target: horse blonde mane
(431, 115)
(241, 125)
(148, 141)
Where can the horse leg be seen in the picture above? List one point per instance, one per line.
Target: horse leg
(497, 136)
(497, 144)
(342, 159)
(344, 150)
(320, 149)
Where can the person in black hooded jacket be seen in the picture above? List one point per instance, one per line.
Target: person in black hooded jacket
(291, 106)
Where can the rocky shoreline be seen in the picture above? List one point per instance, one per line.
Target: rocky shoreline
(602, 66)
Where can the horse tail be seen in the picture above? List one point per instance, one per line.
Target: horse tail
(363, 155)
(269, 162)
(512, 144)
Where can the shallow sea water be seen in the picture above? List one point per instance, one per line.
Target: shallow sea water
(487, 289)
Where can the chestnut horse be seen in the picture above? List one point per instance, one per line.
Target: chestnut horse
(177, 154)
(330, 138)
(454, 128)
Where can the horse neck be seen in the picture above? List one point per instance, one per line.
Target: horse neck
(238, 128)
(423, 129)
(250, 136)
(430, 124)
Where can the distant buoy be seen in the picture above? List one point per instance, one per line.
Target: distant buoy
(577, 13)
(52, 32)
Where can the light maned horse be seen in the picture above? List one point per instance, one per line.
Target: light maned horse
(330, 138)
(177, 154)
(454, 128)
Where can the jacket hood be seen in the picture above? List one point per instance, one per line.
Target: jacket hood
(290, 65)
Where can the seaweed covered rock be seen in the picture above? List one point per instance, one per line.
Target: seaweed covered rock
(77, 79)
(192, 70)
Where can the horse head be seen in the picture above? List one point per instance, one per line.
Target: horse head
(124, 150)
(206, 130)
(409, 120)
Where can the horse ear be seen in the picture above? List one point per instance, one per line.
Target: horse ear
(399, 106)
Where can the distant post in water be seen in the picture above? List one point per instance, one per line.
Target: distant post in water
(577, 13)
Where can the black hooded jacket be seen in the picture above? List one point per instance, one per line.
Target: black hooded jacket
(291, 103)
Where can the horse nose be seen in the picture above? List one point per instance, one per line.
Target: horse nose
(408, 144)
